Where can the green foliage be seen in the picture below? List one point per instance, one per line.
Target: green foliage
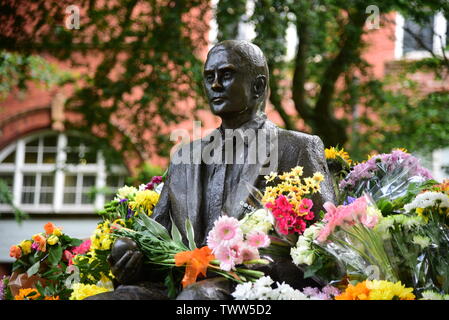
(6, 197)
(144, 174)
(146, 61)
(17, 69)
(331, 46)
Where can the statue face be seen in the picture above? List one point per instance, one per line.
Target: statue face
(227, 84)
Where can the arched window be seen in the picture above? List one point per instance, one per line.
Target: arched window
(58, 173)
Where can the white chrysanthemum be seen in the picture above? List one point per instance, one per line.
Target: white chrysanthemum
(244, 291)
(423, 242)
(288, 293)
(259, 220)
(126, 192)
(428, 199)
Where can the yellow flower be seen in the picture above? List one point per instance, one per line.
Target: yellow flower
(386, 290)
(53, 240)
(145, 200)
(57, 232)
(25, 245)
(82, 291)
(334, 153)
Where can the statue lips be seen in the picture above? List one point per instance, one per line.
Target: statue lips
(218, 104)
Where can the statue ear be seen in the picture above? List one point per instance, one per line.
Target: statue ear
(259, 85)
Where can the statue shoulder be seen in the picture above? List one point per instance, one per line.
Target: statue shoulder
(299, 138)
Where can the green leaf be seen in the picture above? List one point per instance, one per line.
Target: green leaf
(55, 255)
(33, 269)
(190, 234)
(171, 286)
(175, 234)
(155, 228)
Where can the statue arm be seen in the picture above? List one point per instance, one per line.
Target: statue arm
(316, 161)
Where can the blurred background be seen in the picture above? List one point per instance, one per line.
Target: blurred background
(90, 90)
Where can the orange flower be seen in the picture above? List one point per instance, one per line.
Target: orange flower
(27, 294)
(15, 252)
(41, 241)
(51, 298)
(357, 292)
(49, 228)
(196, 262)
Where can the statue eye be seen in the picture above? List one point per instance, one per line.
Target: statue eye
(227, 75)
(210, 78)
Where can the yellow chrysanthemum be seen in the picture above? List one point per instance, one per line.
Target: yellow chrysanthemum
(102, 239)
(334, 153)
(386, 290)
(82, 291)
(145, 200)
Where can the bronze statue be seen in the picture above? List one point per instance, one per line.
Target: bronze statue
(236, 84)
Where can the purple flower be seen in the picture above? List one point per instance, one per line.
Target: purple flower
(349, 200)
(35, 245)
(123, 200)
(130, 213)
(3, 287)
(309, 291)
(331, 291)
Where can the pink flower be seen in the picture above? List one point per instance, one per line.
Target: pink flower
(306, 205)
(248, 252)
(258, 239)
(226, 257)
(225, 232)
(68, 256)
(343, 216)
(82, 248)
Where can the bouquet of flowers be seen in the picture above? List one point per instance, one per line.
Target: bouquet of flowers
(383, 176)
(88, 262)
(227, 249)
(39, 271)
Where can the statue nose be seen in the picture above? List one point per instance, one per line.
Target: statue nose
(216, 85)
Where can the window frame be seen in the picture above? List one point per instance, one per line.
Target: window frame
(439, 29)
(59, 169)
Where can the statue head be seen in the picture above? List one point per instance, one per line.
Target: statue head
(236, 79)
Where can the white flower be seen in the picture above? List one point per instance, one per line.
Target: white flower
(302, 255)
(313, 231)
(428, 199)
(264, 282)
(423, 242)
(261, 290)
(288, 293)
(432, 295)
(244, 291)
(126, 192)
(259, 220)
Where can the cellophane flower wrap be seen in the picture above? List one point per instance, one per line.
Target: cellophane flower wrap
(384, 176)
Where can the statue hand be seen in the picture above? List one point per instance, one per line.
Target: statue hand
(126, 261)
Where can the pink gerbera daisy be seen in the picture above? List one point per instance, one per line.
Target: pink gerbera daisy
(258, 239)
(226, 230)
(249, 253)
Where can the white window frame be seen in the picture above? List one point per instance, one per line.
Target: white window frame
(439, 28)
(60, 169)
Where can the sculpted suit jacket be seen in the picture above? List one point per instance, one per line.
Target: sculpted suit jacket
(182, 193)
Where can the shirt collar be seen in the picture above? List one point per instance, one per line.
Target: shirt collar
(255, 124)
